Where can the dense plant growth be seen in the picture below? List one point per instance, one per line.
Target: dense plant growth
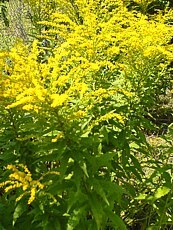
(79, 142)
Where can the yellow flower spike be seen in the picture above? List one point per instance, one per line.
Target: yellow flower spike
(32, 195)
(12, 167)
(58, 99)
(126, 93)
(7, 189)
(53, 173)
(54, 140)
(4, 183)
(25, 186)
(119, 117)
(27, 171)
(28, 107)
(80, 87)
(80, 114)
(109, 116)
(17, 185)
(13, 186)
(59, 136)
(14, 176)
(33, 183)
(41, 186)
(113, 51)
(28, 178)
(21, 196)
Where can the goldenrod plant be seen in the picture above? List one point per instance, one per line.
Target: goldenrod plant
(75, 118)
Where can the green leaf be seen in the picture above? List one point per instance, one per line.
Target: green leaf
(75, 217)
(141, 196)
(104, 132)
(105, 158)
(100, 148)
(86, 134)
(96, 209)
(114, 190)
(76, 198)
(100, 190)
(84, 168)
(137, 164)
(19, 210)
(161, 191)
(116, 220)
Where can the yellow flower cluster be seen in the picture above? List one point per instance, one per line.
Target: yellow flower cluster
(111, 115)
(58, 100)
(107, 117)
(22, 82)
(96, 42)
(79, 114)
(22, 179)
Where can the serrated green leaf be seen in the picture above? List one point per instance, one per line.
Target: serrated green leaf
(19, 210)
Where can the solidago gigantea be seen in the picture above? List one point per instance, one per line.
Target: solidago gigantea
(86, 84)
(98, 46)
